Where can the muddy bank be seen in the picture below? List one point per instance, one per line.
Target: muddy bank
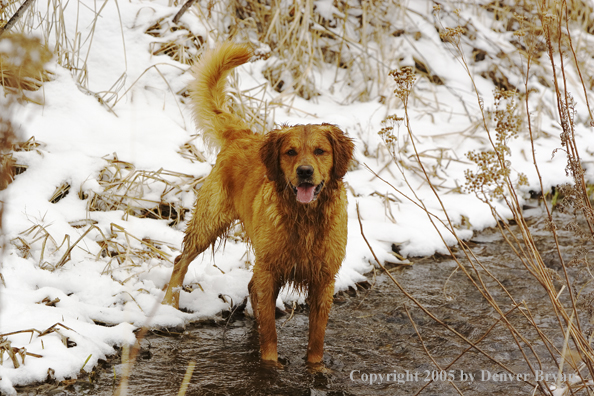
(372, 348)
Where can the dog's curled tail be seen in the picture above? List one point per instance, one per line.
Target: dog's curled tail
(208, 96)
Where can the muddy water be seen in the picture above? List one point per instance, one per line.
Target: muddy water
(369, 336)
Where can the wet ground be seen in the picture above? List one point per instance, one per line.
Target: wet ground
(370, 335)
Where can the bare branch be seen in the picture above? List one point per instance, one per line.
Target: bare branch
(182, 10)
(17, 15)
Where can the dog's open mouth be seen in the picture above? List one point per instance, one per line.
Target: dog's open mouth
(307, 192)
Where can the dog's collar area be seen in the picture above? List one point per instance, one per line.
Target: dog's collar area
(307, 192)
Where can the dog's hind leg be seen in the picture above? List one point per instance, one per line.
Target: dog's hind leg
(211, 217)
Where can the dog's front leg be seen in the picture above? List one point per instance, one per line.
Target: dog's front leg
(320, 298)
(263, 292)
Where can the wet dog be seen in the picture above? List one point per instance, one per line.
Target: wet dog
(285, 187)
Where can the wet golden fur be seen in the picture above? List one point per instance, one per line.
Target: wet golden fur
(258, 179)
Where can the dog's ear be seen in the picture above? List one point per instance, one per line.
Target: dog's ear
(270, 156)
(342, 147)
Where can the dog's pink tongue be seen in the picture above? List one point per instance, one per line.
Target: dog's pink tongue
(305, 193)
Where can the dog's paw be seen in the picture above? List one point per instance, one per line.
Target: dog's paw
(318, 368)
(272, 364)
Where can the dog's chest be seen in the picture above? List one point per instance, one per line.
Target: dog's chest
(303, 254)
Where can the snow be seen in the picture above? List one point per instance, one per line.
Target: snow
(102, 301)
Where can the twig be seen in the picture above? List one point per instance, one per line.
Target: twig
(291, 315)
(188, 376)
(17, 15)
(66, 257)
(182, 11)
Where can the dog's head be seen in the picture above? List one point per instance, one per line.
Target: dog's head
(305, 158)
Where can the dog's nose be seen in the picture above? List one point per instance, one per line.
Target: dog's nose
(305, 171)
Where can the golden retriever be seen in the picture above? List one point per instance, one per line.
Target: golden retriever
(285, 187)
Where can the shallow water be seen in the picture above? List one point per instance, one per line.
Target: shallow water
(369, 336)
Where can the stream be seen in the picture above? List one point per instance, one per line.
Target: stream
(372, 347)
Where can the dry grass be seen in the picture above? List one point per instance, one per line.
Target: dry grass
(13, 352)
(70, 48)
(139, 193)
(16, 77)
(120, 249)
(493, 179)
(299, 42)
(175, 41)
(144, 194)
(22, 61)
(304, 42)
(9, 167)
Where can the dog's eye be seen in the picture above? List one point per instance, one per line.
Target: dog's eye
(318, 151)
(291, 153)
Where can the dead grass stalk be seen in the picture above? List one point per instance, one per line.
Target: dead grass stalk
(494, 181)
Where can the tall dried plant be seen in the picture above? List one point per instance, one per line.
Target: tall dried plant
(493, 179)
